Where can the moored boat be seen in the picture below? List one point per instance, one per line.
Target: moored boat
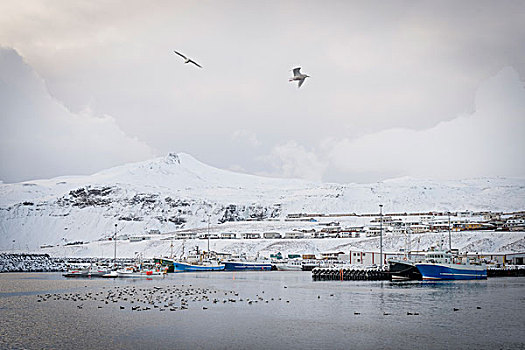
(290, 265)
(440, 265)
(166, 262)
(402, 270)
(246, 266)
(87, 271)
(181, 266)
(139, 271)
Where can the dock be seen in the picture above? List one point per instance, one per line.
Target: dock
(348, 274)
(506, 272)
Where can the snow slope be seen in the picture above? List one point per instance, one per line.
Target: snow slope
(177, 191)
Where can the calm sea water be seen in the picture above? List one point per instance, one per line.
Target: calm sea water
(291, 312)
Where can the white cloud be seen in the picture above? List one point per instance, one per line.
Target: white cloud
(294, 161)
(40, 138)
(488, 142)
(246, 137)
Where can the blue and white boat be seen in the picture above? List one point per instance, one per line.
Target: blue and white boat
(181, 266)
(246, 266)
(441, 265)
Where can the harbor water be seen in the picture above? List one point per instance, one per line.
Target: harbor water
(258, 310)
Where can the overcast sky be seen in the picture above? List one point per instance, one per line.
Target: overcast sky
(398, 88)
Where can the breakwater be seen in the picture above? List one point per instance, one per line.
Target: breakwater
(27, 262)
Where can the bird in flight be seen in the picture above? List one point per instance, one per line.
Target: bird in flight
(298, 76)
(187, 60)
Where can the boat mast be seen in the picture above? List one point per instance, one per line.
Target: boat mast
(381, 234)
(449, 235)
(409, 231)
(406, 245)
(115, 248)
(209, 255)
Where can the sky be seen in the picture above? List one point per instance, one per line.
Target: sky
(427, 89)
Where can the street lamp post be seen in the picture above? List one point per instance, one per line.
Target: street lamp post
(209, 255)
(381, 234)
(115, 248)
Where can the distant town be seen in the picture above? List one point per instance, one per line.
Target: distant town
(336, 226)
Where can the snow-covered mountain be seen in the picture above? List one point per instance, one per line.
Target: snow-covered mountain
(177, 191)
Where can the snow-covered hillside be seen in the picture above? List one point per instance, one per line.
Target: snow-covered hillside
(177, 191)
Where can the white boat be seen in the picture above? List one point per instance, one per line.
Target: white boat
(84, 270)
(290, 265)
(137, 271)
(111, 274)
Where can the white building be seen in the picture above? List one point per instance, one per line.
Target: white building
(294, 235)
(250, 235)
(139, 238)
(228, 235)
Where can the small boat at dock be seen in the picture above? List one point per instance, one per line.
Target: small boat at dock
(290, 265)
(91, 270)
(140, 271)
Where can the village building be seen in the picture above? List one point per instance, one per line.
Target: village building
(271, 235)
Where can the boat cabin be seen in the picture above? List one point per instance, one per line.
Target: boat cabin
(438, 257)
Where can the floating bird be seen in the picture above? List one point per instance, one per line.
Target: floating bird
(298, 76)
(187, 60)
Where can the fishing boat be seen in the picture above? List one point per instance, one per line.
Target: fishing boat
(442, 265)
(140, 271)
(166, 262)
(403, 270)
(241, 262)
(194, 261)
(246, 266)
(290, 265)
(91, 270)
(183, 266)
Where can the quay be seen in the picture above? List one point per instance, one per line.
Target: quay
(506, 272)
(348, 274)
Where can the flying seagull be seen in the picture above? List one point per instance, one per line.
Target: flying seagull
(187, 60)
(298, 76)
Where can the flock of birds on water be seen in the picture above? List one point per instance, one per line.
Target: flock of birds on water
(297, 75)
(169, 298)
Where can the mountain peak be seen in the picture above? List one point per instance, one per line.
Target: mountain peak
(173, 158)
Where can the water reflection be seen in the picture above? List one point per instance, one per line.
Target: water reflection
(287, 310)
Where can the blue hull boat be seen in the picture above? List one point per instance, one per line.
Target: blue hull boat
(186, 267)
(434, 271)
(246, 266)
